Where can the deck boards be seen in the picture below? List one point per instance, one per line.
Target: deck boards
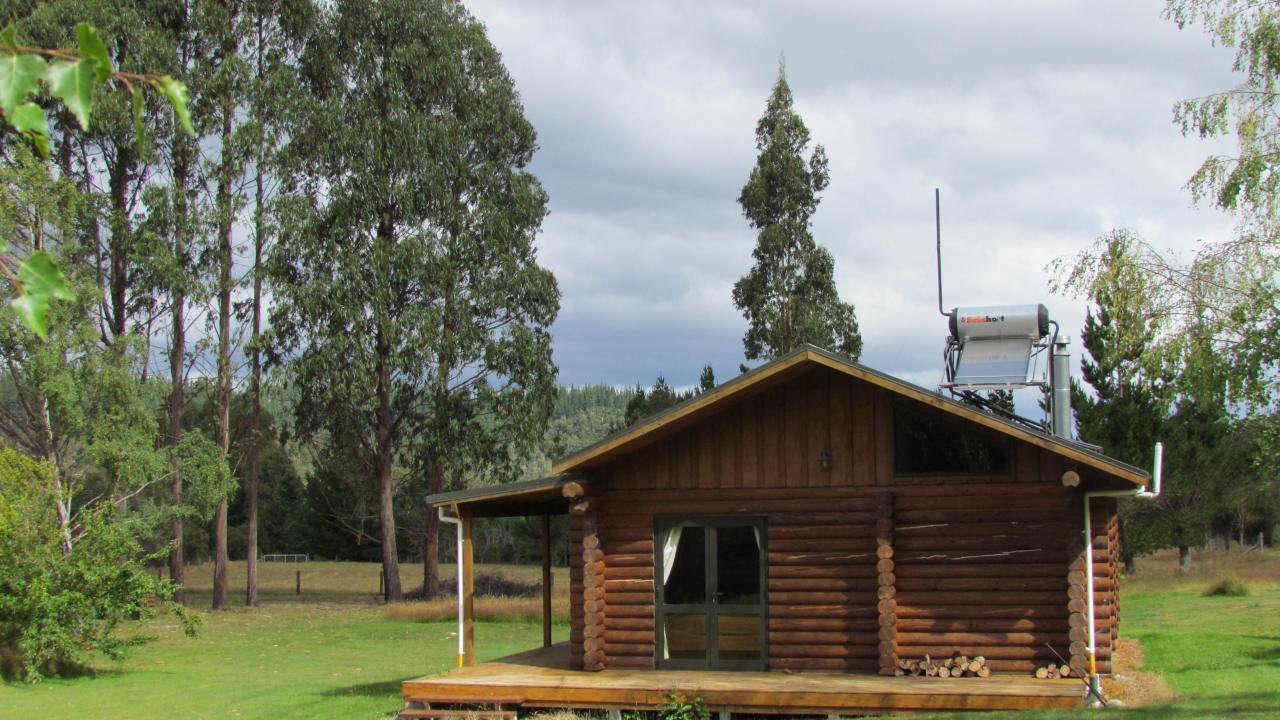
(541, 678)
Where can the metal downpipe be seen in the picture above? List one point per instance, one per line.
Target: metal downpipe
(456, 522)
(1095, 684)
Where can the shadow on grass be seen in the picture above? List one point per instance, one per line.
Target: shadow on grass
(375, 689)
(1266, 655)
(53, 670)
(1238, 705)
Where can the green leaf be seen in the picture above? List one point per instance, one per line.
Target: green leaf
(4, 246)
(39, 275)
(40, 281)
(92, 48)
(18, 77)
(9, 37)
(72, 83)
(42, 145)
(33, 312)
(29, 117)
(176, 92)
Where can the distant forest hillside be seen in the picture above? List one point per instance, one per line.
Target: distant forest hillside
(583, 415)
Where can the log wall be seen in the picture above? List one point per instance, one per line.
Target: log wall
(863, 567)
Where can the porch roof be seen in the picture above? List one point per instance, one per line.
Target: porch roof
(541, 496)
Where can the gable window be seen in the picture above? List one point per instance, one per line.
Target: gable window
(930, 442)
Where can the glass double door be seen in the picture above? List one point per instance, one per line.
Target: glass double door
(710, 593)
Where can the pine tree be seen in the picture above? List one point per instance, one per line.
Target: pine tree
(707, 380)
(789, 296)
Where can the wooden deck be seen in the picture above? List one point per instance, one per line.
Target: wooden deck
(541, 678)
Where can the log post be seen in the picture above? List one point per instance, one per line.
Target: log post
(468, 592)
(886, 582)
(546, 581)
(1113, 539)
(583, 518)
(1077, 604)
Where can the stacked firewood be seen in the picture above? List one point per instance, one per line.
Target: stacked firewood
(1053, 672)
(955, 666)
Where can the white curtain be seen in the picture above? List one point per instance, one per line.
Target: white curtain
(755, 529)
(669, 546)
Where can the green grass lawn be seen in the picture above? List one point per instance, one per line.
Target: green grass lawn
(279, 661)
(321, 658)
(1222, 654)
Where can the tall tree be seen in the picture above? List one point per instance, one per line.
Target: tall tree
(1130, 396)
(1233, 281)
(178, 279)
(1156, 379)
(276, 27)
(789, 296)
(222, 22)
(406, 270)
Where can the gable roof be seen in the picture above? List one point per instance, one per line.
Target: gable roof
(797, 363)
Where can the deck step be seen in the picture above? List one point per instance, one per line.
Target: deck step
(462, 714)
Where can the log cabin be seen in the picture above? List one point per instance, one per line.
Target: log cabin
(788, 540)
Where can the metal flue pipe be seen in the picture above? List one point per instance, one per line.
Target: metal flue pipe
(1060, 386)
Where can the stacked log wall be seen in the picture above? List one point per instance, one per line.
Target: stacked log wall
(975, 564)
(576, 617)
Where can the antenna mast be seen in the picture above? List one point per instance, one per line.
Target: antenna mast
(937, 222)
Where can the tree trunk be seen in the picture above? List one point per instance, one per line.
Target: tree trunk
(255, 411)
(1184, 558)
(61, 492)
(223, 407)
(177, 362)
(1130, 568)
(387, 518)
(382, 468)
(177, 354)
(431, 533)
(121, 172)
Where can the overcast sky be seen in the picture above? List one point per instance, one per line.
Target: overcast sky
(1045, 124)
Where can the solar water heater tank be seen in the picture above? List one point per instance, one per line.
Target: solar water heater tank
(993, 345)
(1003, 321)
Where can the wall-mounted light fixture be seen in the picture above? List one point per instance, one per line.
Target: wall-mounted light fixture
(824, 459)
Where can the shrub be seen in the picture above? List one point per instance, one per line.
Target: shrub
(56, 606)
(680, 707)
(484, 584)
(1227, 587)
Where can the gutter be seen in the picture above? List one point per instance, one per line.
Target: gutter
(457, 523)
(1095, 685)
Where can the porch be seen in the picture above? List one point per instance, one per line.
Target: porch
(541, 678)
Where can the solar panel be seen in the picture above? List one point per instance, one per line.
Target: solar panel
(997, 361)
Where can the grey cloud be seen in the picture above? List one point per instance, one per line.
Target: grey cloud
(1045, 124)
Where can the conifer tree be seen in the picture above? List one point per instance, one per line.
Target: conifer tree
(707, 380)
(789, 296)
